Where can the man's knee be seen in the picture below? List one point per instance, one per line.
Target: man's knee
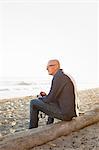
(33, 102)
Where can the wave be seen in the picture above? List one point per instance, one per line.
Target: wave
(22, 88)
(24, 83)
(4, 89)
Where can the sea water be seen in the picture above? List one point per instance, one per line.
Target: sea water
(18, 88)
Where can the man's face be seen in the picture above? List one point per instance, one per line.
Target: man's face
(52, 67)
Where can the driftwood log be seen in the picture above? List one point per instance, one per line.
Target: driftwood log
(34, 137)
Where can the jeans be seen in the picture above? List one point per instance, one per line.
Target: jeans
(51, 109)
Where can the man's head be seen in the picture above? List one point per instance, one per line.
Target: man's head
(53, 66)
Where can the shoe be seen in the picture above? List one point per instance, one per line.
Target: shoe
(50, 120)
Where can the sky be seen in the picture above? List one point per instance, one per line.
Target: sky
(35, 31)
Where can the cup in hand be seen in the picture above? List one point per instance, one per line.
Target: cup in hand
(42, 93)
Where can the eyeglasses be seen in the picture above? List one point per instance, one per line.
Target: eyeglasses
(51, 65)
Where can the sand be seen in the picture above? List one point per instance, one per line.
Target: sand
(85, 139)
(14, 117)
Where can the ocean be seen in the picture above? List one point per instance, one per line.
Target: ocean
(19, 88)
(13, 88)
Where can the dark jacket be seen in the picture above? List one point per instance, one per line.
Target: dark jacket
(62, 92)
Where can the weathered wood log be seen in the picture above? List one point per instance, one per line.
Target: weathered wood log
(34, 137)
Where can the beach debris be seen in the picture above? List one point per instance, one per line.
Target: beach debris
(31, 138)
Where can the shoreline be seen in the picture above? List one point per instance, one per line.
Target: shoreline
(16, 98)
(26, 90)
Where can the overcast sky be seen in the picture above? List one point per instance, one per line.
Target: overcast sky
(32, 32)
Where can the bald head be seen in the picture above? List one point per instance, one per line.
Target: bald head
(54, 61)
(53, 66)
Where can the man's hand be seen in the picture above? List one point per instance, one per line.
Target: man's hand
(42, 93)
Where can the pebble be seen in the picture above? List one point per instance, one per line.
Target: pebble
(14, 112)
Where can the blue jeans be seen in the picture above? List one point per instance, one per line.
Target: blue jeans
(51, 109)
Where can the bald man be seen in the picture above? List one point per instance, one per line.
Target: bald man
(60, 101)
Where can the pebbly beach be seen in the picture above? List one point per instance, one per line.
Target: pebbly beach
(14, 117)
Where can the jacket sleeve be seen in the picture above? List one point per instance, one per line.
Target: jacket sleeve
(58, 84)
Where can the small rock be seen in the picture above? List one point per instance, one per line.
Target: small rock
(13, 123)
(12, 130)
